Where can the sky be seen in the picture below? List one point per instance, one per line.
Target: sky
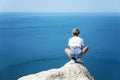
(59, 5)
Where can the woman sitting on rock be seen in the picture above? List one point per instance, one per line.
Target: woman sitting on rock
(77, 49)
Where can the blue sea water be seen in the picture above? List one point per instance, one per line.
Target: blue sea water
(33, 42)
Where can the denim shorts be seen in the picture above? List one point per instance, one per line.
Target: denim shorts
(76, 52)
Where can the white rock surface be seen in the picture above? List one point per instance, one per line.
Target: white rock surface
(70, 71)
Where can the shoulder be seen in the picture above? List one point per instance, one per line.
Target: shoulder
(70, 38)
(80, 38)
(75, 39)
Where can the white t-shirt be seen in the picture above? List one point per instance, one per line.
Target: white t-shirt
(76, 41)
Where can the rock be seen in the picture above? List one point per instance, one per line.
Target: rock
(70, 71)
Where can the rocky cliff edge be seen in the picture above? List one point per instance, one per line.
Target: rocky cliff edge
(70, 71)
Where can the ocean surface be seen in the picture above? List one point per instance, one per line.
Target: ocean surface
(33, 42)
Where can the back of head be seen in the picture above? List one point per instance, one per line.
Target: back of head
(75, 32)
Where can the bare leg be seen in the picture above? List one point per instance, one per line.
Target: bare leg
(67, 51)
(85, 49)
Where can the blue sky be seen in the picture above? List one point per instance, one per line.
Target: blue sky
(59, 5)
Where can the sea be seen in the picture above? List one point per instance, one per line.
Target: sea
(34, 42)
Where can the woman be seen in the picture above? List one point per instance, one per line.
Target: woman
(76, 44)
